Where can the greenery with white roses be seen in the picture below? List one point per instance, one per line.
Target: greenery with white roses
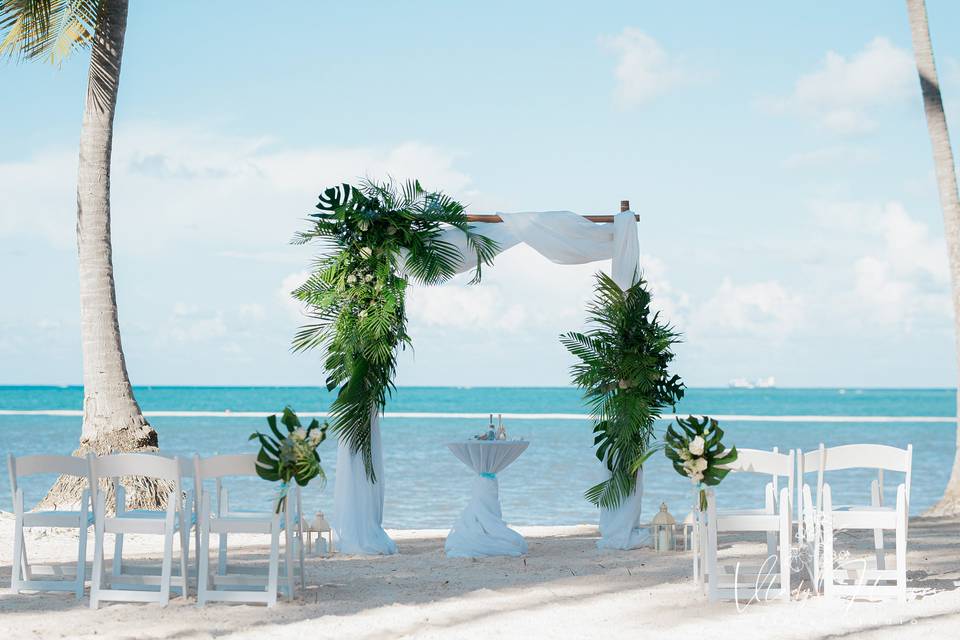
(292, 455)
(375, 239)
(697, 452)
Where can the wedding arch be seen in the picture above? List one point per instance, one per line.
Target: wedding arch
(563, 237)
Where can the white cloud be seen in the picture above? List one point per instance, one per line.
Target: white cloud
(898, 273)
(765, 311)
(459, 306)
(908, 275)
(196, 329)
(672, 303)
(173, 184)
(846, 92)
(644, 69)
(523, 293)
(295, 308)
(829, 157)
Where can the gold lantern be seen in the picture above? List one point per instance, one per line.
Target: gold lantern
(664, 530)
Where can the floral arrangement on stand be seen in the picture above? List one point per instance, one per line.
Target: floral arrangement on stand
(292, 455)
(697, 452)
(376, 238)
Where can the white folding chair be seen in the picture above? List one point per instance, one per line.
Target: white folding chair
(22, 573)
(823, 518)
(774, 519)
(226, 586)
(166, 523)
(191, 510)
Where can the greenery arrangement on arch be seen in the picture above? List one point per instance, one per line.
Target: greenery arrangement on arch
(375, 239)
(623, 370)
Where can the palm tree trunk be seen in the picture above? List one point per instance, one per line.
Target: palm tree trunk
(112, 419)
(949, 202)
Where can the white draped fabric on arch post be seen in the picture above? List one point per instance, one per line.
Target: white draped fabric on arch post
(562, 237)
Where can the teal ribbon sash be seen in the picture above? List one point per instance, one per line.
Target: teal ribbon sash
(492, 476)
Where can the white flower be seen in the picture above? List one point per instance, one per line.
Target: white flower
(366, 252)
(299, 434)
(696, 446)
(363, 313)
(364, 225)
(368, 278)
(684, 454)
(699, 464)
(351, 279)
(315, 438)
(696, 477)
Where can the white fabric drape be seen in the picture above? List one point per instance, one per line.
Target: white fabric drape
(480, 530)
(564, 238)
(618, 527)
(358, 503)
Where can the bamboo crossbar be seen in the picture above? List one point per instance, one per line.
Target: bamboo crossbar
(493, 218)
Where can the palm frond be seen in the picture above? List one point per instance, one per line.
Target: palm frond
(48, 30)
(622, 369)
(356, 293)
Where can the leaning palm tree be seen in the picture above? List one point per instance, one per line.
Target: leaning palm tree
(50, 30)
(949, 200)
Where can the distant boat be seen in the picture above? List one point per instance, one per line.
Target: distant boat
(760, 383)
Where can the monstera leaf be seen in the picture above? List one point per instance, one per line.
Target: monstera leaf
(714, 452)
(302, 468)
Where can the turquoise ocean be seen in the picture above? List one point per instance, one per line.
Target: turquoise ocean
(427, 487)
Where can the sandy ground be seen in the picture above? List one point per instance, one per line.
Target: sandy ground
(564, 588)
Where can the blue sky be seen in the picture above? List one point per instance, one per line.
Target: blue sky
(776, 152)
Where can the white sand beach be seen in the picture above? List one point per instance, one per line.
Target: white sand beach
(564, 588)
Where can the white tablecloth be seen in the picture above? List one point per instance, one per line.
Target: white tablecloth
(480, 531)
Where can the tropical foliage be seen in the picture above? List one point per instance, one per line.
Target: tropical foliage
(292, 455)
(696, 450)
(623, 370)
(376, 238)
(47, 30)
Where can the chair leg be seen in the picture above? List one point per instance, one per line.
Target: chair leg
(901, 544)
(117, 565)
(711, 548)
(203, 564)
(81, 560)
(785, 524)
(877, 533)
(273, 570)
(184, 558)
(16, 573)
(25, 572)
(303, 573)
(288, 563)
(196, 546)
(96, 579)
(827, 542)
(222, 554)
(166, 569)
